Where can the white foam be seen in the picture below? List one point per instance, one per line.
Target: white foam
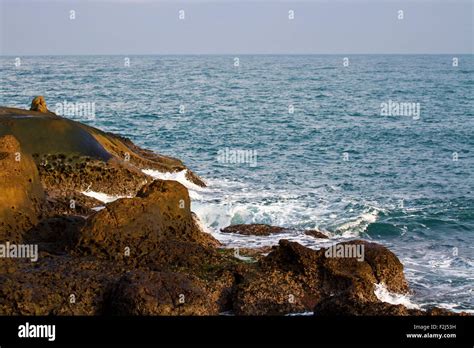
(176, 176)
(384, 295)
(356, 226)
(103, 197)
(99, 208)
(302, 314)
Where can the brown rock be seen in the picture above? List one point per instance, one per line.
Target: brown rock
(253, 229)
(39, 104)
(215, 268)
(315, 234)
(343, 305)
(310, 276)
(21, 195)
(160, 293)
(160, 211)
(45, 287)
(55, 235)
(73, 157)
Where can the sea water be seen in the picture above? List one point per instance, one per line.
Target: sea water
(379, 149)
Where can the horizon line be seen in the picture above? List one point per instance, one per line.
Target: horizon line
(228, 54)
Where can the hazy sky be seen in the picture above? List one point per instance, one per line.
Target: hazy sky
(229, 27)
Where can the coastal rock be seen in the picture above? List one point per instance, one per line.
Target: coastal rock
(21, 195)
(356, 277)
(342, 305)
(161, 210)
(308, 276)
(187, 256)
(266, 230)
(285, 281)
(147, 254)
(160, 293)
(39, 104)
(253, 229)
(73, 157)
(315, 234)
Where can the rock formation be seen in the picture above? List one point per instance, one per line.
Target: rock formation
(146, 254)
(39, 104)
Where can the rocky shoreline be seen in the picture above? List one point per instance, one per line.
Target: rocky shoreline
(146, 254)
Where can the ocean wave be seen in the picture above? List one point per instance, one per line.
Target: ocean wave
(384, 295)
(355, 227)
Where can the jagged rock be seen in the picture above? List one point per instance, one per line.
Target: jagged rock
(160, 211)
(21, 193)
(160, 293)
(39, 104)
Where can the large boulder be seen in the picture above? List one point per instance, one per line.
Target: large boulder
(160, 211)
(21, 193)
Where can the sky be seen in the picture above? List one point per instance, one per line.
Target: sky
(45, 27)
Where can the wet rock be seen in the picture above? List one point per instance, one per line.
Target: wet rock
(160, 293)
(349, 274)
(266, 230)
(315, 234)
(253, 229)
(292, 271)
(342, 305)
(21, 195)
(160, 211)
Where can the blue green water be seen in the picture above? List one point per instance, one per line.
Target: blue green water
(399, 185)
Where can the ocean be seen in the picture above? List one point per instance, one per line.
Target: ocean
(379, 148)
